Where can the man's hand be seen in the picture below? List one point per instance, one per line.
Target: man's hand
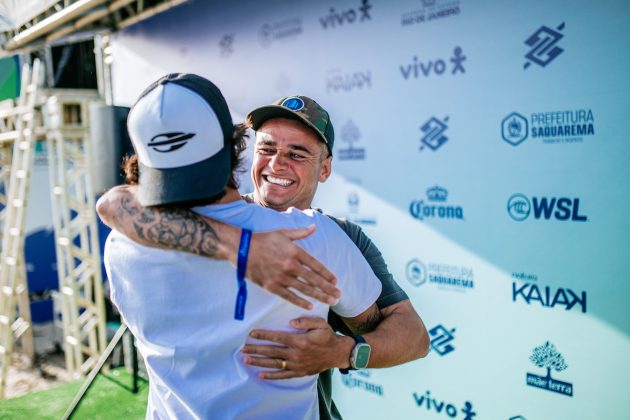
(275, 263)
(314, 351)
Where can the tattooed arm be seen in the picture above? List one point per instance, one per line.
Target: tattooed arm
(274, 263)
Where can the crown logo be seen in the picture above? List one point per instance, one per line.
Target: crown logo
(437, 193)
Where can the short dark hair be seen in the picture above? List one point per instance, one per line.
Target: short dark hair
(131, 169)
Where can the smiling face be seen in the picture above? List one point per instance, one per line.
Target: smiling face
(289, 162)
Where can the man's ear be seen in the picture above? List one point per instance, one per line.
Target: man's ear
(325, 169)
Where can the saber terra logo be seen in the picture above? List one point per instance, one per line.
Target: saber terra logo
(547, 357)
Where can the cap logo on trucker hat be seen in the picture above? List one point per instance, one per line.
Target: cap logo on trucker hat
(167, 118)
(294, 103)
(169, 142)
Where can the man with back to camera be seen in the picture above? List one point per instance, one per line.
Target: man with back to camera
(179, 306)
(287, 175)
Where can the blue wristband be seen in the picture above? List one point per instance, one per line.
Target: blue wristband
(241, 267)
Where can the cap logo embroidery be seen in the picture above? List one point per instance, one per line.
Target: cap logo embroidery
(169, 142)
(294, 104)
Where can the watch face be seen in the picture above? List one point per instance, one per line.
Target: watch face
(361, 356)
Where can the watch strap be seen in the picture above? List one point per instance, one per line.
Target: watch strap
(357, 339)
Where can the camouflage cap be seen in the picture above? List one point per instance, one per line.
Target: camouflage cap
(301, 108)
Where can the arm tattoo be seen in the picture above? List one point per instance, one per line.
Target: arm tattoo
(167, 227)
(369, 323)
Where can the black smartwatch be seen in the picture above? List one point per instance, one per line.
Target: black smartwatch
(360, 355)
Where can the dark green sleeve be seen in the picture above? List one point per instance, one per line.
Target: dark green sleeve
(391, 293)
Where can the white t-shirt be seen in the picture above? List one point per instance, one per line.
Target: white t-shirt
(180, 308)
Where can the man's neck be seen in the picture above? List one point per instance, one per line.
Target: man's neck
(231, 195)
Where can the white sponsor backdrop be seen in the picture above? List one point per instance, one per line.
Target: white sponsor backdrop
(444, 111)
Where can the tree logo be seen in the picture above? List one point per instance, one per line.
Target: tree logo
(546, 356)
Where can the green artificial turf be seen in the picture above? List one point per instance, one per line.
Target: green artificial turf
(109, 397)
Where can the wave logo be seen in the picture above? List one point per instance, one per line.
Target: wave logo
(432, 404)
(433, 131)
(543, 43)
(519, 207)
(547, 357)
(514, 129)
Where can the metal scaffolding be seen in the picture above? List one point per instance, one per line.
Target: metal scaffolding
(18, 143)
(66, 117)
(63, 117)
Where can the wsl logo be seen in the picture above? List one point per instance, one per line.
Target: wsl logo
(337, 81)
(436, 196)
(543, 46)
(514, 129)
(433, 131)
(432, 404)
(547, 357)
(335, 18)
(441, 339)
(563, 209)
(351, 134)
(438, 66)
(169, 142)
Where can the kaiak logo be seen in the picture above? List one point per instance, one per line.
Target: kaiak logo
(337, 81)
(432, 404)
(270, 32)
(169, 142)
(444, 276)
(350, 134)
(338, 18)
(548, 296)
(547, 357)
(559, 208)
(431, 10)
(439, 66)
(357, 379)
(437, 209)
(514, 129)
(543, 46)
(441, 339)
(227, 45)
(433, 131)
